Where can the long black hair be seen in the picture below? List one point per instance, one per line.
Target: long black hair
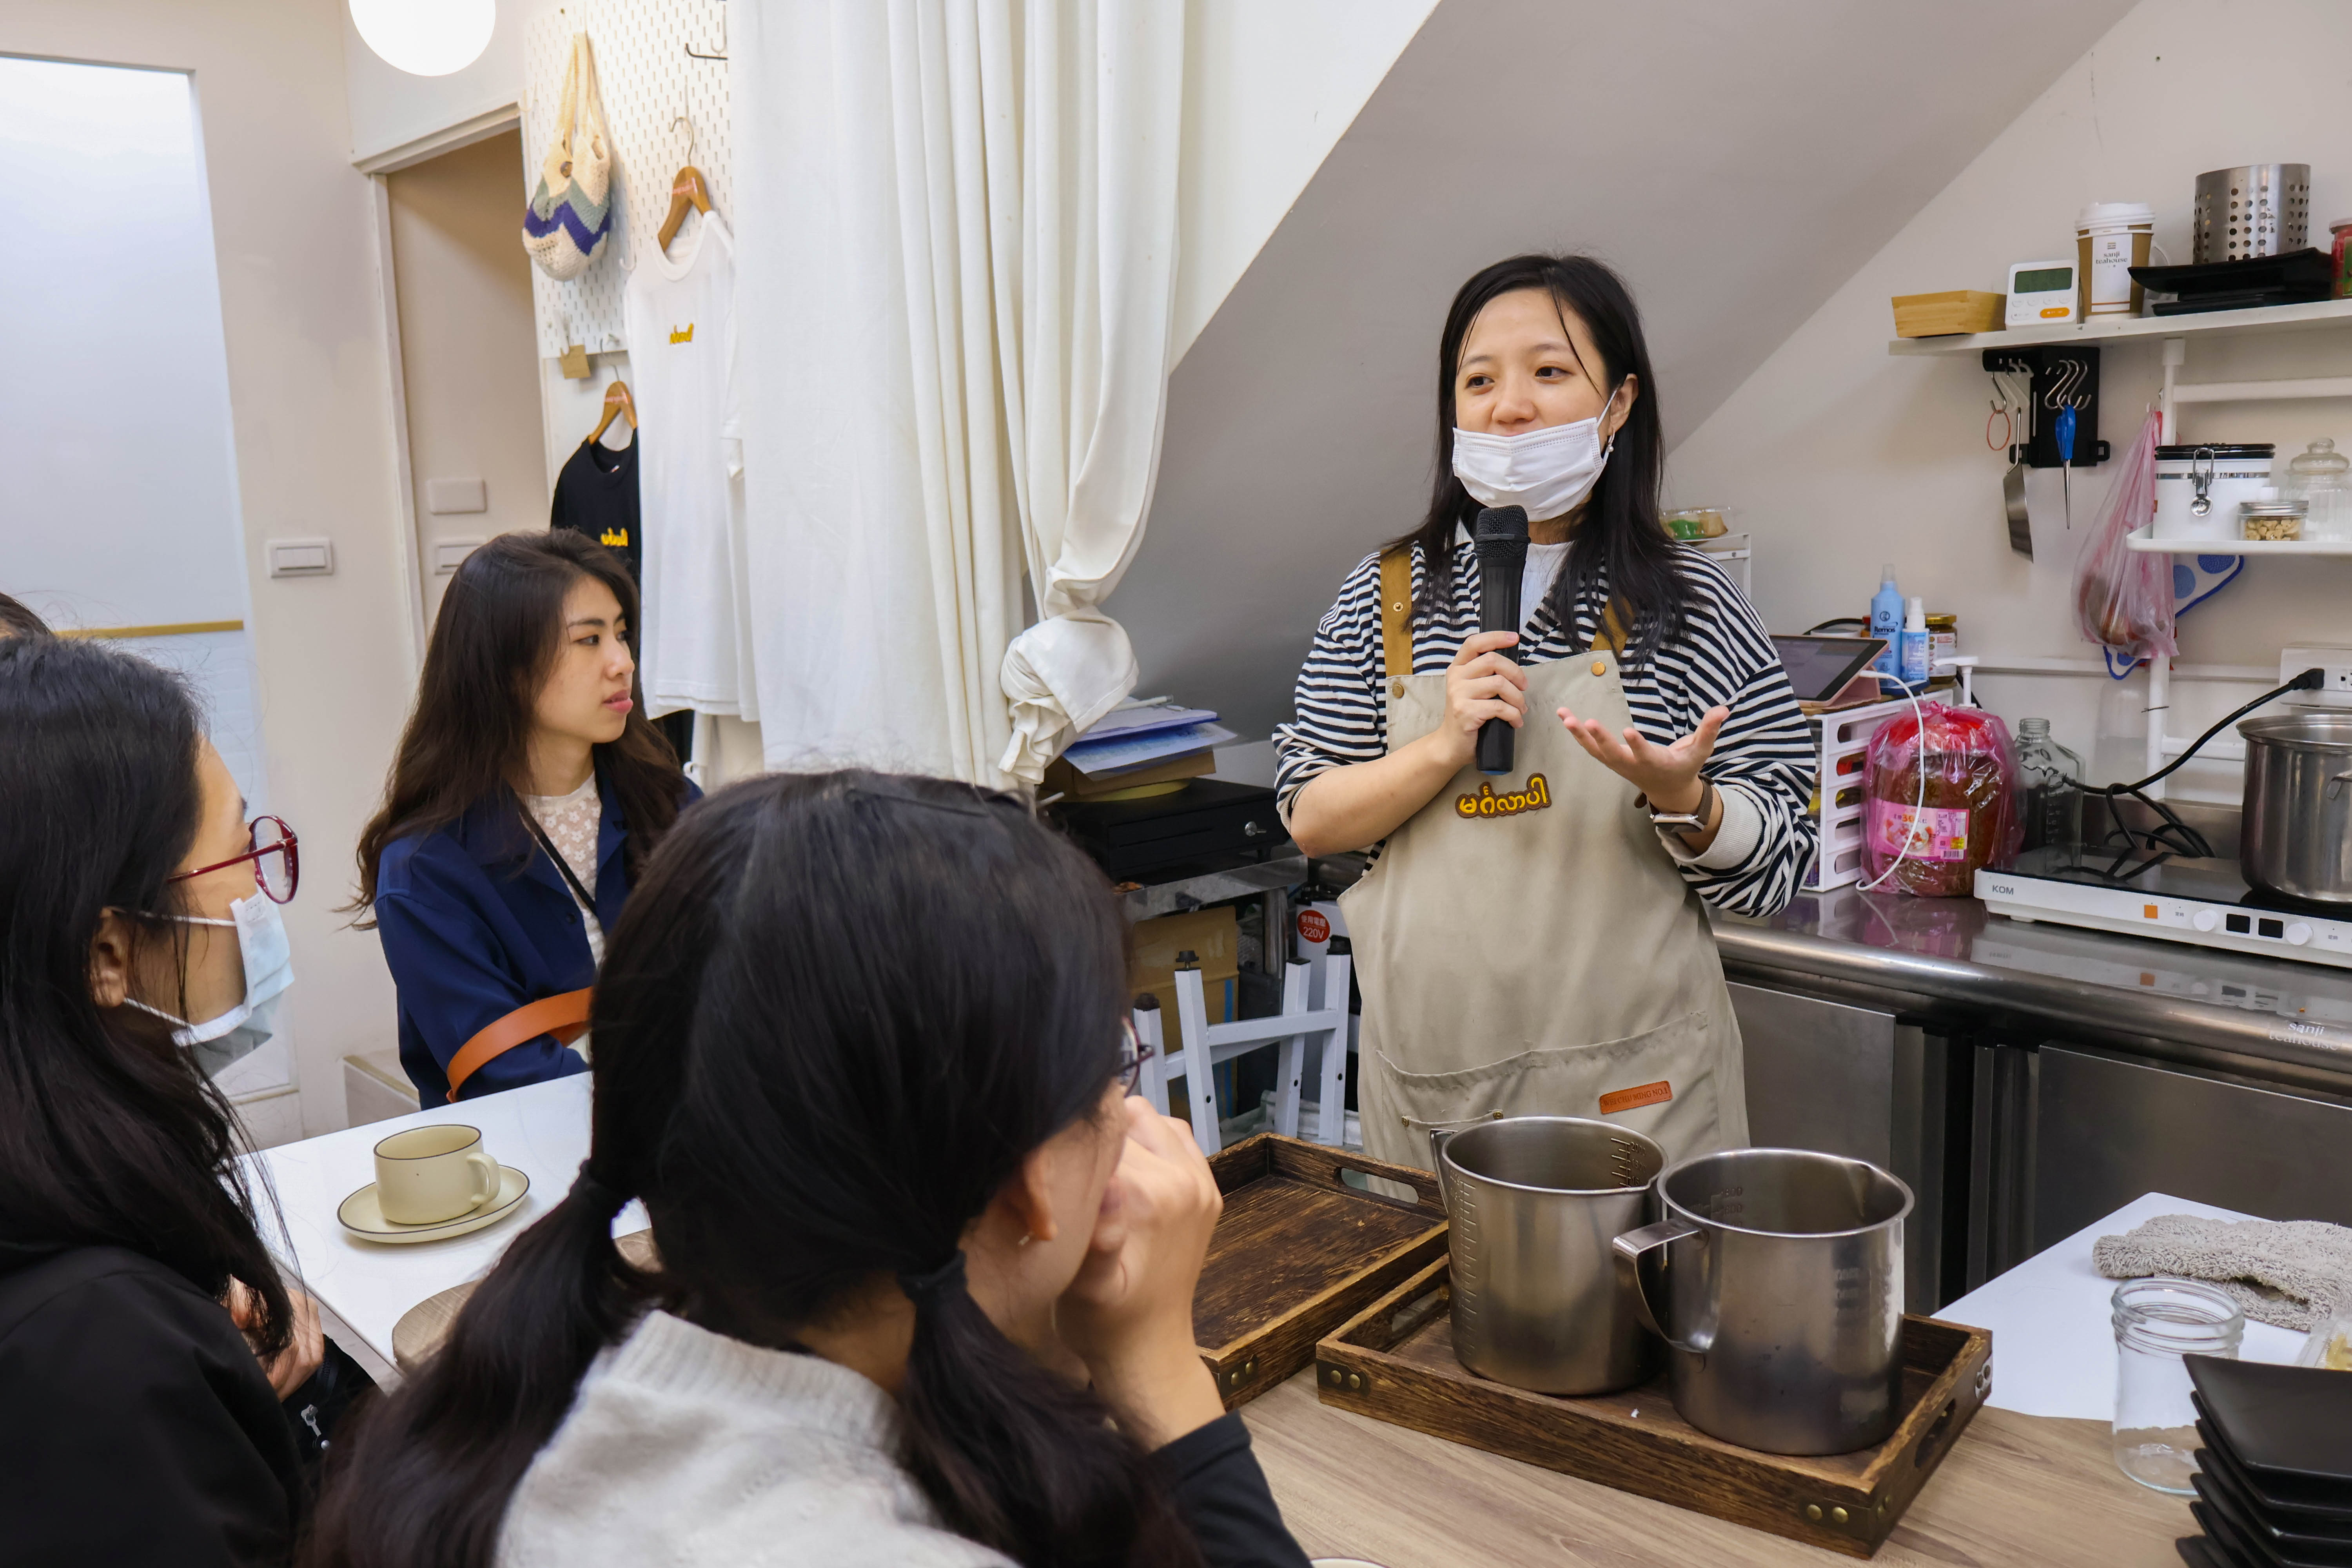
(110, 1135)
(836, 1014)
(499, 632)
(1617, 540)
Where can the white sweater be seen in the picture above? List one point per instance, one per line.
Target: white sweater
(684, 1447)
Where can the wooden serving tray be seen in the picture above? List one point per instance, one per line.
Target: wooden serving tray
(1299, 1252)
(1394, 1361)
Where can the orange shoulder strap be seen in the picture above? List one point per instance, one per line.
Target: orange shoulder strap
(565, 1016)
(1396, 612)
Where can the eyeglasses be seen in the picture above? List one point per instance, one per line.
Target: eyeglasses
(275, 870)
(1132, 1054)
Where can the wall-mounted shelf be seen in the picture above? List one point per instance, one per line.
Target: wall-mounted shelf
(2317, 315)
(2142, 541)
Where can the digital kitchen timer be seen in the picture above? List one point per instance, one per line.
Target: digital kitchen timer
(2042, 294)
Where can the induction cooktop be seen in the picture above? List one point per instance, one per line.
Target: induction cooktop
(2203, 903)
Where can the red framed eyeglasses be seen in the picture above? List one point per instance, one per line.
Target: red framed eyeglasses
(277, 872)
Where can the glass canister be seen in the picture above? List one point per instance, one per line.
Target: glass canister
(2050, 787)
(2270, 517)
(2158, 1320)
(2320, 478)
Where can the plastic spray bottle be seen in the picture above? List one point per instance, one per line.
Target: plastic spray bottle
(1912, 644)
(1887, 621)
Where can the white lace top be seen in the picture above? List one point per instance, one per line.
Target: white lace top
(571, 822)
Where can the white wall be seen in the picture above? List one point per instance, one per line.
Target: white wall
(1735, 163)
(1841, 457)
(309, 406)
(469, 361)
(1269, 86)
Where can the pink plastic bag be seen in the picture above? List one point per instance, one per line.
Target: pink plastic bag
(1968, 819)
(2122, 597)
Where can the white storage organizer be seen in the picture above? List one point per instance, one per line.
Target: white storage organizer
(1841, 748)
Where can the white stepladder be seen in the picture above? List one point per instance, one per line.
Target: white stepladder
(1212, 1044)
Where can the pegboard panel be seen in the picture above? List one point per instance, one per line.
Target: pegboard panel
(646, 80)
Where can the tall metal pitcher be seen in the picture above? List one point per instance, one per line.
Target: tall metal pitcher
(1536, 1202)
(1781, 1297)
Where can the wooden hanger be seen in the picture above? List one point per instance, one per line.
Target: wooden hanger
(618, 403)
(689, 190)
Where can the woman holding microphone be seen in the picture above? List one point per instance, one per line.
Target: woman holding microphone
(1537, 943)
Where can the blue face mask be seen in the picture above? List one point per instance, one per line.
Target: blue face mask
(269, 970)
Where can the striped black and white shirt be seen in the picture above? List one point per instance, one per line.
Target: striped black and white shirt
(1763, 761)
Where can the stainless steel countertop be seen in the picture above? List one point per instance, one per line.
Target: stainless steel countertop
(2273, 1020)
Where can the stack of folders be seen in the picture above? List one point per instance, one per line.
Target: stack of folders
(2274, 1477)
(1143, 747)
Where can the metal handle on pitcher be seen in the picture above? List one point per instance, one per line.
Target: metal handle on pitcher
(1631, 1249)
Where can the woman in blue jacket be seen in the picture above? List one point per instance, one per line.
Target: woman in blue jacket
(527, 790)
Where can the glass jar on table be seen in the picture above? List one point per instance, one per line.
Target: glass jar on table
(2158, 1320)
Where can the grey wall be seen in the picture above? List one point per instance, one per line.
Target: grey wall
(1737, 162)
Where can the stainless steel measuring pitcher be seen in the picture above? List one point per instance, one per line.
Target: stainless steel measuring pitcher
(1780, 1296)
(1535, 1203)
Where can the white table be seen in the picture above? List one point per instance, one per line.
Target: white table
(2053, 1340)
(364, 1286)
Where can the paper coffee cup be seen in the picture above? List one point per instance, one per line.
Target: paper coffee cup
(427, 1174)
(2110, 240)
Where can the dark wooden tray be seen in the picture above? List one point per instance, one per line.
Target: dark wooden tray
(1299, 1252)
(1395, 1361)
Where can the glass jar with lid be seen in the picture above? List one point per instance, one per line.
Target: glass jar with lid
(2320, 478)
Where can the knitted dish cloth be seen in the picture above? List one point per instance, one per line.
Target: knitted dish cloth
(2290, 1273)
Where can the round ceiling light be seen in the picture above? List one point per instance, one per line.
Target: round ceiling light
(426, 37)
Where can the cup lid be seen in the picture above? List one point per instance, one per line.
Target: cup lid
(2110, 213)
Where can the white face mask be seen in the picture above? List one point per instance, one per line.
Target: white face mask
(269, 970)
(1548, 471)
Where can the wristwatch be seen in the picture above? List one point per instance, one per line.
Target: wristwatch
(1684, 825)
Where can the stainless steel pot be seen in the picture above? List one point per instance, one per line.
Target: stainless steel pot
(1536, 1202)
(2297, 837)
(1781, 1297)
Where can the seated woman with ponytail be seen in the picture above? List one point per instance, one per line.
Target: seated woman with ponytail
(925, 1272)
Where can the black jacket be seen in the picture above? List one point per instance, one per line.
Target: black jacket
(136, 1427)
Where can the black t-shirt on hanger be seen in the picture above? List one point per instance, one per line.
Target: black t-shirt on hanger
(596, 494)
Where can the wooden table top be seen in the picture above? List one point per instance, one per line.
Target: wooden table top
(2015, 1489)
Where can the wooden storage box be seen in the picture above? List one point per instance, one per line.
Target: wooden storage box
(1299, 1252)
(1395, 1361)
(1954, 310)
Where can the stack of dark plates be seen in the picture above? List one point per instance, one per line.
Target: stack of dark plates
(2297, 278)
(2274, 1476)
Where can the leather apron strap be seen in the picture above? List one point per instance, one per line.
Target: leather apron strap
(564, 1016)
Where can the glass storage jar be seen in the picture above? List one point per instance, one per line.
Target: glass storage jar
(2320, 478)
(2049, 787)
(2158, 1320)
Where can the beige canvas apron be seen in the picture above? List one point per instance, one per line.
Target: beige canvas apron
(1525, 945)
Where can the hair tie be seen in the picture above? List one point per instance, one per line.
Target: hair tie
(923, 1289)
(597, 1195)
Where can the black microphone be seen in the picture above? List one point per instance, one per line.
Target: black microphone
(1501, 540)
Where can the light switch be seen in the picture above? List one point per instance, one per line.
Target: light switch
(301, 557)
(447, 553)
(443, 496)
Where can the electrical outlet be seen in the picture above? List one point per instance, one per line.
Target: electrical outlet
(2335, 661)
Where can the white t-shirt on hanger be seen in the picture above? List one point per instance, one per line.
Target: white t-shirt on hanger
(678, 310)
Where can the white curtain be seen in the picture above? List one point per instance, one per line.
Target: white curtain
(957, 275)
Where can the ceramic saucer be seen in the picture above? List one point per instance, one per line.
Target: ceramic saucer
(362, 1214)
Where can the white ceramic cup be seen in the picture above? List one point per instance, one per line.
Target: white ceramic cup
(427, 1174)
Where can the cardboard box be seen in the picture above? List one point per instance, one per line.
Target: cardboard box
(1954, 310)
(1215, 936)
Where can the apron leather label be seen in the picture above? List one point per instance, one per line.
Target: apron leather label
(1618, 1099)
(1486, 803)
